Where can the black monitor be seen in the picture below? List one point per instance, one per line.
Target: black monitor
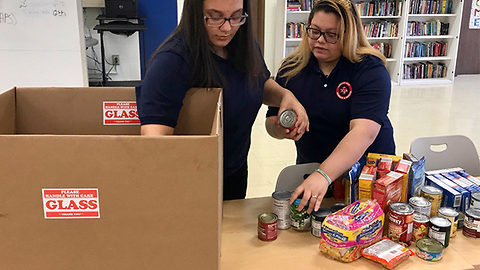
(121, 9)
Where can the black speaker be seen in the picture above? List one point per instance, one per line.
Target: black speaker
(121, 9)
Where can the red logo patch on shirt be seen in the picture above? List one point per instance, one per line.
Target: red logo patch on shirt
(344, 90)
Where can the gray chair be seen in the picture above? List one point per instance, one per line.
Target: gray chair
(292, 176)
(443, 152)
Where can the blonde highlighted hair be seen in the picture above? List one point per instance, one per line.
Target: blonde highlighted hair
(352, 40)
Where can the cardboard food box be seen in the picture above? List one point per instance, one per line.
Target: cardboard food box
(76, 193)
(388, 189)
(365, 181)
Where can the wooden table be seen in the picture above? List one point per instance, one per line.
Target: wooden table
(242, 250)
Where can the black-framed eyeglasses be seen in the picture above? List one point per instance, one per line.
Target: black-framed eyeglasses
(219, 21)
(315, 34)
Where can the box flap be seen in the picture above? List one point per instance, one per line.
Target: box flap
(7, 112)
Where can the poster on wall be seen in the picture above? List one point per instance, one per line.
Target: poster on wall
(475, 15)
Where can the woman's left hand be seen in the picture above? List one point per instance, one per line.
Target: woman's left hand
(313, 189)
(289, 101)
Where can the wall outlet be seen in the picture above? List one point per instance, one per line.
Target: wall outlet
(115, 59)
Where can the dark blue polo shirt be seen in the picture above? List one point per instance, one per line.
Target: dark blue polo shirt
(351, 91)
(160, 97)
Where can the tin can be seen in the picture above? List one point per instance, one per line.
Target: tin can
(287, 119)
(452, 215)
(471, 223)
(439, 229)
(267, 226)
(434, 195)
(429, 249)
(420, 226)
(475, 200)
(338, 206)
(400, 225)
(281, 208)
(300, 219)
(421, 205)
(317, 218)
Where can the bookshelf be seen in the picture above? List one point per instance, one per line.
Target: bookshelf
(390, 27)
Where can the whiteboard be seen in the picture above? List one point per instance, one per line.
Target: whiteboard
(42, 43)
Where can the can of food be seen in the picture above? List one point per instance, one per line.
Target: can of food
(471, 224)
(434, 195)
(420, 205)
(429, 249)
(400, 225)
(317, 218)
(452, 215)
(420, 226)
(338, 206)
(475, 200)
(287, 119)
(439, 228)
(281, 208)
(267, 226)
(300, 219)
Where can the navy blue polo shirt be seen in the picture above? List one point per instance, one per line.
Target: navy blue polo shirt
(160, 97)
(351, 91)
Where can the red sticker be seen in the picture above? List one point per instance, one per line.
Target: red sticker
(120, 113)
(344, 90)
(71, 203)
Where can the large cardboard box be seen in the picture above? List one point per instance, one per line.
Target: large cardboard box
(159, 198)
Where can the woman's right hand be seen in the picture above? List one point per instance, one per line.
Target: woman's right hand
(277, 131)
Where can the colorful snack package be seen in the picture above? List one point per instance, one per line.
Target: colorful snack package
(387, 252)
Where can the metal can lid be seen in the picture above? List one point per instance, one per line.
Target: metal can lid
(473, 212)
(431, 190)
(448, 211)
(281, 195)
(440, 221)
(287, 118)
(267, 217)
(419, 201)
(429, 245)
(321, 213)
(420, 218)
(401, 208)
(337, 206)
(476, 196)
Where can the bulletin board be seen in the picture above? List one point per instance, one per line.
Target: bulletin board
(42, 43)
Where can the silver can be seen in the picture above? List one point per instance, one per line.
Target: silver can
(475, 200)
(421, 205)
(452, 215)
(282, 209)
(287, 119)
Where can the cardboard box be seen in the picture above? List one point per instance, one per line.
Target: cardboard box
(403, 167)
(388, 189)
(159, 198)
(365, 182)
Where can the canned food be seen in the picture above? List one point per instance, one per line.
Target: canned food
(421, 205)
(452, 215)
(434, 195)
(267, 226)
(439, 229)
(281, 208)
(300, 219)
(287, 119)
(400, 226)
(475, 200)
(429, 249)
(338, 206)
(317, 218)
(471, 224)
(420, 226)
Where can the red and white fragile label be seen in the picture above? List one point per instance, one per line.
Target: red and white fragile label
(71, 203)
(120, 113)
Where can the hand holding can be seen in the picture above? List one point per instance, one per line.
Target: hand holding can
(287, 119)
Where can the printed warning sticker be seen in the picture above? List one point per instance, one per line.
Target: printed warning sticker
(71, 203)
(120, 113)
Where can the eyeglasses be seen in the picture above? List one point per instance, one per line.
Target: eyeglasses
(315, 34)
(218, 21)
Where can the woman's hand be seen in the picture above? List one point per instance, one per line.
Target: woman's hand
(313, 189)
(277, 131)
(289, 101)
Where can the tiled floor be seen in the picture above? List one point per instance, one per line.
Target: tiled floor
(415, 111)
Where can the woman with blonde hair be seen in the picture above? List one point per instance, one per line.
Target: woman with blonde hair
(345, 88)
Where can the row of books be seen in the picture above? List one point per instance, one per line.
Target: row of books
(425, 49)
(424, 70)
(300, 5)
(379, 8)
(384, 47)
(430, 28)
(295, 30)
(430, 6)
(381, 29)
